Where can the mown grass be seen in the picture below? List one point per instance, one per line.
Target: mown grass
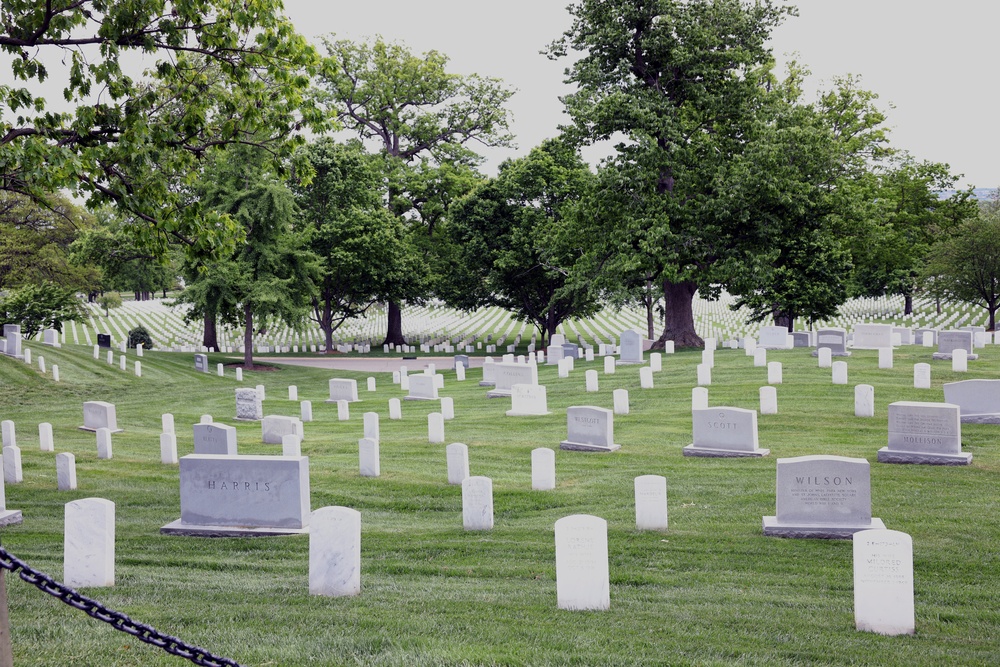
(710, 591)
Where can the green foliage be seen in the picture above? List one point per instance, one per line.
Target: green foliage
(138, 336)
(109, 301)
(220, 73)
(35, 242)
(510, 249)
(966, 266)
(363, 254)
(682, 81)
(41, 306)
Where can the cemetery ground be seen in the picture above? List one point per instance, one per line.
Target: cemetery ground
(710, 590)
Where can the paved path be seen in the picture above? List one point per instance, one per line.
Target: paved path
(370, 364)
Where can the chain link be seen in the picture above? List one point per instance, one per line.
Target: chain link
(116, 619)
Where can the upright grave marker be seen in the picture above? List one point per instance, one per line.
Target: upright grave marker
(827, 497)
(883, 582)
(99, 414)
(928, 433)
(722, 432)
(978, 400)
(248, 405)
(335, 552)
(650, 502)
(582, 576)
(589, 429)
(89, 543)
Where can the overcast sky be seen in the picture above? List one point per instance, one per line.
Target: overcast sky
(933, 61)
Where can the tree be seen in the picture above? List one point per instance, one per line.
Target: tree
(42, 306)
(512, 253)
(35, 242)
(909, 217)
(224, 73)
(272, 273)
(109, 300)
(411, 107)
(362, 252)
(966, 266)
(682, 82)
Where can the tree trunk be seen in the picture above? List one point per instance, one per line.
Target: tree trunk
(993, 317)
(783, 319)
(394, 335)
(678, 316)
(211, 337)
(247, 338)
(648, 301)
(937, 301)
(907, 304)
(328, 325)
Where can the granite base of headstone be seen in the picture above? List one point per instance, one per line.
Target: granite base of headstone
(924, 433)
(822, 497)
(242, 496)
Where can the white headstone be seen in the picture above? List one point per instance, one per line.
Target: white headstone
(371, 384)
(435, 427)
(168, 448)
(477, 503)
(620, 397)
(275, 427)
(395, 409)
(885, 357)
(211, 438)
(864, 400)
(960, 361)
(929, 433)
(883, 582)
(422, 388)
(65, 471)
(291, 445)
(650, 502)
(589, 429)
(371, 426)
(760, 357)
(582, 577)
(645, 377)
(543, 469)
(591, 380)
(45, 440)
(103, 443)
(343, 410)
(457, 456)
(12, 471)
(89, 543)
(343, 390)
(655, 362)
(528, 400)
(699, 398)
(369, 463)
(335, 552)
(609, 365)
(305, 411)
(774, 372)
(9, 433)
(248, 405)
(704, 375)
(724, 432)
(293, 392)
(99, 414)
(768, 401)
(825, 357)
(448, 407)
(840, 372)
(921, 376)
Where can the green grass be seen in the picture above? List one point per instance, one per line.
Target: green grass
(710, 591)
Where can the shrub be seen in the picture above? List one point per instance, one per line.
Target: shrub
(140, 335)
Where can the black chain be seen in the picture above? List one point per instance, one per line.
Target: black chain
(116, 619)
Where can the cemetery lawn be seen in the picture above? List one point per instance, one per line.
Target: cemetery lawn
(712, 590)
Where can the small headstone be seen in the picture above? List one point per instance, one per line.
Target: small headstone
(395, 409)
(651, 502)
(201, 363)
(582, 578)
(45, 440)
(12, 471)
(435, 427)
(959, 361)
(645, 377)
(9, 433)
(774, 372)
(883, 582)
(704, 375)
(206, 419)
(723, 432)
(220, 370)
(343, 390)
(104, 340)
(979, 400)
(335, 552)
(55, 373)
(773, 338)
(248, 405)
(768, 400)
(929, 433)
(699, 398)
(609, 365)
(589, 429)
(477, 503)
(949, 341)
(872, 336)
(460, 359)
(122, 362)
(293, 392)
(65, 471)
(457, 456)
(368, 457)
(840, 372)
(760, 357)
(168, 448)
(864, 400)
(630, 349)
(834, 338)
(89, 543)
(239, 375)
(343, 410)
(448, 408)
(826, 497)
(213, 438)
(926, 338)
(305, 411)
(655, 362)
(921, 376)
(708, 358)
(104, 443)
(825, 357)
(371, 384)
(422, 388)
(460, 373)
(591, 380)
(528, 400)
(99, 414)
(620, 397)
(885, 357)
(543, 469)
(275, 427)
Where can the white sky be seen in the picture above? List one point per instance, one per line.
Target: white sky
(933, 61)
